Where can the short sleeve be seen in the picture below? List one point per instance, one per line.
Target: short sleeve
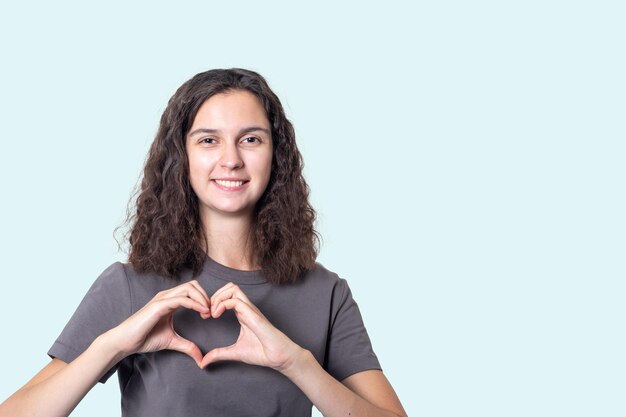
(106, 304)
(349, 349)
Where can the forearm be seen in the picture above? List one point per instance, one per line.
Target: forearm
(331, 397)
(59, 394)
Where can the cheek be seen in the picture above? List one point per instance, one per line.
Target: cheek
(265, 169)
(258, 163)
(267, 162)
(201, 163)
(200, 168)
(193, 171)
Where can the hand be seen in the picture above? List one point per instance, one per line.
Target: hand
(259, 342)
(151, 328)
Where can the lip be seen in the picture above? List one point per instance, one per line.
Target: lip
(224, 188)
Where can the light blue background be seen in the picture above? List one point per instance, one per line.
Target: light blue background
(466, 160)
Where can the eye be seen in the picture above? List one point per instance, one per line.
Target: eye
(207, 140)
(251, 139)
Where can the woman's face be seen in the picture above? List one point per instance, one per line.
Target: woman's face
(229, 147)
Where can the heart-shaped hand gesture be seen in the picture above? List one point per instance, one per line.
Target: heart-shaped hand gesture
(259, 342)
(151, 328)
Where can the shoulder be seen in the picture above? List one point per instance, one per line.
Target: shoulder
(324, 279)
(319, 271)
(118, 274)
(128, 272)
(319, 274)
(111, 277)
(144, 285)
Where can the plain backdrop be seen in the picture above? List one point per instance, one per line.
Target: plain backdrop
(466, 159)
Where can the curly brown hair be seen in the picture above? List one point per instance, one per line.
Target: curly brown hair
(166, 235)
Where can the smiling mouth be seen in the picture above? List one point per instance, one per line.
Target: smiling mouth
(230, 184)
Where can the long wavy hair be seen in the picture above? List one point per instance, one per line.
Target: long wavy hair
(166, 234)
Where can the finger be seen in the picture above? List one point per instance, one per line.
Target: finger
(219, 295)
(218, 307)
(252, 318)
(187, 347)
(197, 293)
(196, 284)
(191, 289)
(230, 292)
(181, 289)
(244, 312)
(205, 297)
(220, 291)
(168, 305)
(228, 353)
(177, 290)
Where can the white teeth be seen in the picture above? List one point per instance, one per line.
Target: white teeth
(229, 184)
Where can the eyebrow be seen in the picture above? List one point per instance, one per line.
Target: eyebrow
(241, 132)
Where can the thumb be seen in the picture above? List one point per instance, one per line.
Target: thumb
(187, 347)
(228, 353)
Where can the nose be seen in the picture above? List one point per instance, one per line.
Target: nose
(230, 157)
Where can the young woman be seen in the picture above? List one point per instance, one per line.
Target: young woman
(221, 309)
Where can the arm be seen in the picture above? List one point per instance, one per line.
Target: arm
(366, 393)
(59, 387)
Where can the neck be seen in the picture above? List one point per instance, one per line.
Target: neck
(227, 239)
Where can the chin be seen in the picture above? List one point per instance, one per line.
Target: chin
(231, 210)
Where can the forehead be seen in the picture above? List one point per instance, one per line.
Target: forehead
(231, 108)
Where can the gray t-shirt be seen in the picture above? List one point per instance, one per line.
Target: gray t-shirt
(318, 313)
